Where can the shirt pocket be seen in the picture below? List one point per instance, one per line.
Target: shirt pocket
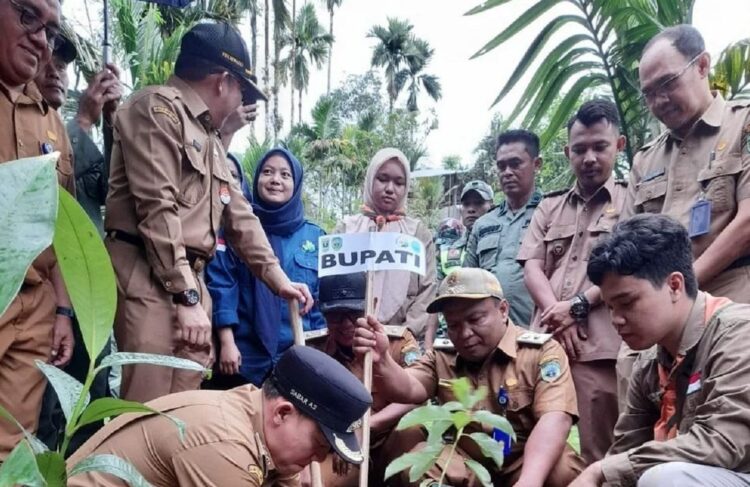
(487, 250)
(193, 180)
(520, 412)
(305, 267)
(650, 195)
(719, 183)
(557, 243)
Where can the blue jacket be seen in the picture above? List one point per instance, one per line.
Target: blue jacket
(229, 281)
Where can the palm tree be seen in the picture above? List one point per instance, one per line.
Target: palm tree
(331, 5)
(308, 44)
(418, 58)
(280, 25)
(391, 51)
(602, 50)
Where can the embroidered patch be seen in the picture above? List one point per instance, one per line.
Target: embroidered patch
(172, 116)
(256, 473)
(308, 246)
(52, 136)
(411, 356)
(551, 370)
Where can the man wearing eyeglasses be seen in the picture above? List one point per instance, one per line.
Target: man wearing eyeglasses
(169, 192)
(37, 324)
(698, 170)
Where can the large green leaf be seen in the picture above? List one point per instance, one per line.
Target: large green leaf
(127, 358)
(408, 460)
(67, 388)
(28, 207)
(112, 465)
(36, 445)
(87, 271)
(20, 468)
(424, 415)
(51, 466)
(109, 407)
(486, 6)
(490, 448)
(482, 474)
(496, 421)
(569, 103)
(523, 21)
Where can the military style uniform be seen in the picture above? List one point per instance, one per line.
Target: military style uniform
(493, 246)
(451, 256)
(563, 231)
(170, 190)
(30, 128)
(707, 420)
(223, 444)
(91, 171)
(387, 445)
(527, 375)
(712, 163)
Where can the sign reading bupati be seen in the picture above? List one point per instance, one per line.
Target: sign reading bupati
(377, 251)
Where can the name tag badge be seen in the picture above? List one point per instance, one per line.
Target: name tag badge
(700, 218)
(501, 436)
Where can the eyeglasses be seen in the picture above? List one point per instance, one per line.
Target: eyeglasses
(32, 24)
(667, 86)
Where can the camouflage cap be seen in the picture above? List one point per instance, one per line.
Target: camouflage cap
(466, 283)
(483, 189)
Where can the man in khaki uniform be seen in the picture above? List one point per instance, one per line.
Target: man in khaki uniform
(342, 301)
(564, 228)
(698, 171)
(37, 325)
(527, 375)
(241, 437)
(687, 417)
(170, 190)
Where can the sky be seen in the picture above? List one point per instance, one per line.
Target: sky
(469, 86)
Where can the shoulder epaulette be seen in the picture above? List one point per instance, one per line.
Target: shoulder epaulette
(557, 192)
(395, 331)
(488, 229)
(533, 338)
(443, 344)
(315, 334)
(654, 141)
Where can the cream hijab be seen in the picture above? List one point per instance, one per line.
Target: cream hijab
(390, 287)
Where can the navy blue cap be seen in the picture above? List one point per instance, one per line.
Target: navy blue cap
(327, 392)
(344, 291)
(221, 43)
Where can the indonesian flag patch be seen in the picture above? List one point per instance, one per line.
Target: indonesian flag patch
(221, 245)
(694, 383)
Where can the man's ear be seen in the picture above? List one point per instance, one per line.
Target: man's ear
(281, 412)
(676, 283)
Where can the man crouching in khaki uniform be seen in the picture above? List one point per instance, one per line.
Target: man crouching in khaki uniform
(245, 436)
(687, 416)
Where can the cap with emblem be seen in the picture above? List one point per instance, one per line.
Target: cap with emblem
(327, 392)
(222, 44)
(65, 50)
(466, 283)
(483, 189)
(342, 292)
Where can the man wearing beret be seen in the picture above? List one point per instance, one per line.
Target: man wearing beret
(246, 436)
(527, 375)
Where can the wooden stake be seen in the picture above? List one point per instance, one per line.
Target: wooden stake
(364, 468)
(299, 339)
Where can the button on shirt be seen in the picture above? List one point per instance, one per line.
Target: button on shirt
(564, 229)
(712, 161)
(493, 246)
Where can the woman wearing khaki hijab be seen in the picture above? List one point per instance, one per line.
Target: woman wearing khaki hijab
(402, 296)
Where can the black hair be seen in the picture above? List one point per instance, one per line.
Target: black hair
(646, 246)
(594, 111)
(684, 37)
(529, 139)
(269, 388)
(193, 68)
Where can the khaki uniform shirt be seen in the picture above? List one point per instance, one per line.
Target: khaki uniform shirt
(535, 379)
(28, 124)
(170, 185)
(493, 246)
(713, 161)
(562, 233)
(715, 423)
(223, 443)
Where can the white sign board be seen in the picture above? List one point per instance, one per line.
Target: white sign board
(377, 251)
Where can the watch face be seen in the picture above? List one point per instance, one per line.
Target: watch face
(192, 297)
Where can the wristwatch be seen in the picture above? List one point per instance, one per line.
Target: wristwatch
(579, 307)
(188, 297)
(63, 311)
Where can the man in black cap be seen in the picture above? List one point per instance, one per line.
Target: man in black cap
(341, 299)
(170, 191)
(246, 436)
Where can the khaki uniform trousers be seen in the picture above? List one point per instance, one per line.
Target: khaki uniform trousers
(565, 470)
(146, 322)
(596, 390)
(25, 336)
